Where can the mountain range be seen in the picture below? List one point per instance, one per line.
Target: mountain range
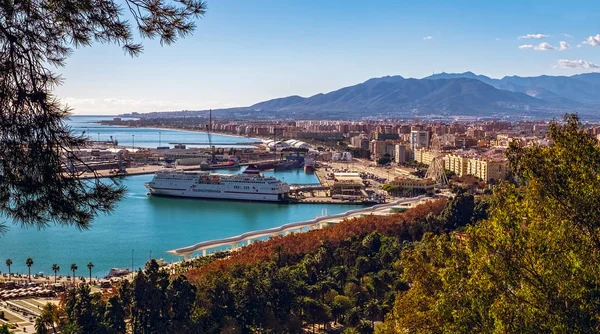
(451, 94)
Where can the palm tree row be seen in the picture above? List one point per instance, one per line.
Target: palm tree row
(55, 268)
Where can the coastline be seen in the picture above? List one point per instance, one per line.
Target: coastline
(316, 223)
(221, 133)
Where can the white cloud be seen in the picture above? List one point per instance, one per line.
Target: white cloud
(567, 35)
(544, 47)
(563, 46)
(534, 36)
(427, 38)
(498, 39)
(540, 47)
(593, 40)
(565, 63)
(579, 45)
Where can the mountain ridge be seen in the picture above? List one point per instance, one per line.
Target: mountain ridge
(451, 94)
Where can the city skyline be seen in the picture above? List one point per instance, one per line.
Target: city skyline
(243, 53)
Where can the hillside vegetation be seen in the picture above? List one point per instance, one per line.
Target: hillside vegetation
(532, 267)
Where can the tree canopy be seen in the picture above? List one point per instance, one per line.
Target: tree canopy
(531, 266)
(36, 147)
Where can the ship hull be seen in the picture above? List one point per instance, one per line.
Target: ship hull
(218, 194)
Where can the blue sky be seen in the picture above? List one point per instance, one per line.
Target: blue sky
(245, 52)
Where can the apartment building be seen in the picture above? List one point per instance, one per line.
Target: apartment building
(488, 169)
(400, 153)
(457, 163)
(404, 186)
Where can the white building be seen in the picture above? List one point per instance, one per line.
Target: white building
(419, 139)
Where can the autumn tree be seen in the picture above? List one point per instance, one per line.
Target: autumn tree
(37, 185)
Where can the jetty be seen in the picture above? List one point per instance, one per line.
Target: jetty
(235, 242)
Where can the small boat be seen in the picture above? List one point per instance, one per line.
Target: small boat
(116, 272)
(219, 165)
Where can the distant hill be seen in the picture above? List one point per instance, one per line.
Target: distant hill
(452, 95)
(573, 91)
(441, 96)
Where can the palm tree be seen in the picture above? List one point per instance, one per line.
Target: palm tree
(73, 269)
(8, 264)
(29, 263)
(55, 268)
(50, 316)
(90, 266)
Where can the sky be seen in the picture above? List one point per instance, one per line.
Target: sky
(244, 52)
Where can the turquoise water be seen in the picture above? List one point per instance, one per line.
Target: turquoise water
(144, 137)
(147, 224)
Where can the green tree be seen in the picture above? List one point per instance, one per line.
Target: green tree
(90, 266)
(341, 305)
(4, 329)
(315, 312)
(37, 148)
(386, 159)
(40, 326)
(458, 212)
(29, 263)
(150, 310)
(115, 314)
(181, 295)
(55, 269)
(74, 269)
(50, 316)
(85, 311)
(8, 264)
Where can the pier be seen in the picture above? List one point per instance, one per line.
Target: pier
(245, 239)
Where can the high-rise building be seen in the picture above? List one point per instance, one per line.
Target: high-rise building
(419, 139)
(378, 149)
(400, 154)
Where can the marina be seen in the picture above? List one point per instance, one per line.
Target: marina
(145, 226)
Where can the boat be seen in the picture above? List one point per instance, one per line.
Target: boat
(309, 165)
(205, 165)
(285, 165)
(116, 272)
(250, 185)
(266, 165)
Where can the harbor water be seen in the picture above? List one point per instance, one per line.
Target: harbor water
(146, 137)
(145, 226)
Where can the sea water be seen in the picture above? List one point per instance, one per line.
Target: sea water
(145, 226)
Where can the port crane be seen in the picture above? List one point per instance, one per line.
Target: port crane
(208, 129)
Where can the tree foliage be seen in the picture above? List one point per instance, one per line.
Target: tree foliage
(36, 147)
(532, 266)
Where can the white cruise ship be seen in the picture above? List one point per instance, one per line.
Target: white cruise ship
(251, 185)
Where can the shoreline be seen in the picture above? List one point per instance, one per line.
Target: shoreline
(182, 130)
(316, 223)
